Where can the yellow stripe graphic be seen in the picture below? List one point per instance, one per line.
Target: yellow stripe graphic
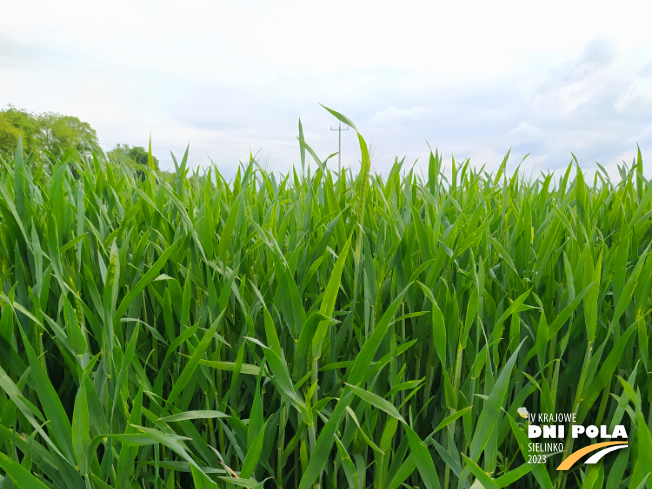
(575, 456)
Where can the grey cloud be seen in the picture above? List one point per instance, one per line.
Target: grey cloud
(646, 71)
(597, 52)
(597, 55)
(574, 84)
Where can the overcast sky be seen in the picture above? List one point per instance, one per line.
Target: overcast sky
(469, 78)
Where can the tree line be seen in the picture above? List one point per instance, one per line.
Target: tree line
(52, 135)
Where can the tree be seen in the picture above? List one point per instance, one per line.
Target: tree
(9, 135)
(135, 155)
(140, 155)
(50, 132)
(14, 123)
(58, 134)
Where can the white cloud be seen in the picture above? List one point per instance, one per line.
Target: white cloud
(525, 130)
(644, 135)
(394, 115)
(637, 99)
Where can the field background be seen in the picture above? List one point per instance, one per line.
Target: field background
(165, 331)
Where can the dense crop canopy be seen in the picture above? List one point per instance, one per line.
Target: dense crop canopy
(169, 330)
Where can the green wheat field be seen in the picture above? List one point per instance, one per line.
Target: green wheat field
(316, 329)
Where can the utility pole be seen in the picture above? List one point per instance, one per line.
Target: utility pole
(339, 148)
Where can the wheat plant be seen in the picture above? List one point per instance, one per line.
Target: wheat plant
(315, 329)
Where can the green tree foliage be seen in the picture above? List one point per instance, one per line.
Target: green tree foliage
(134, 155)
(59, 134)
(15, 123)
(139, 155)
(48, 132)
(9, 135)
